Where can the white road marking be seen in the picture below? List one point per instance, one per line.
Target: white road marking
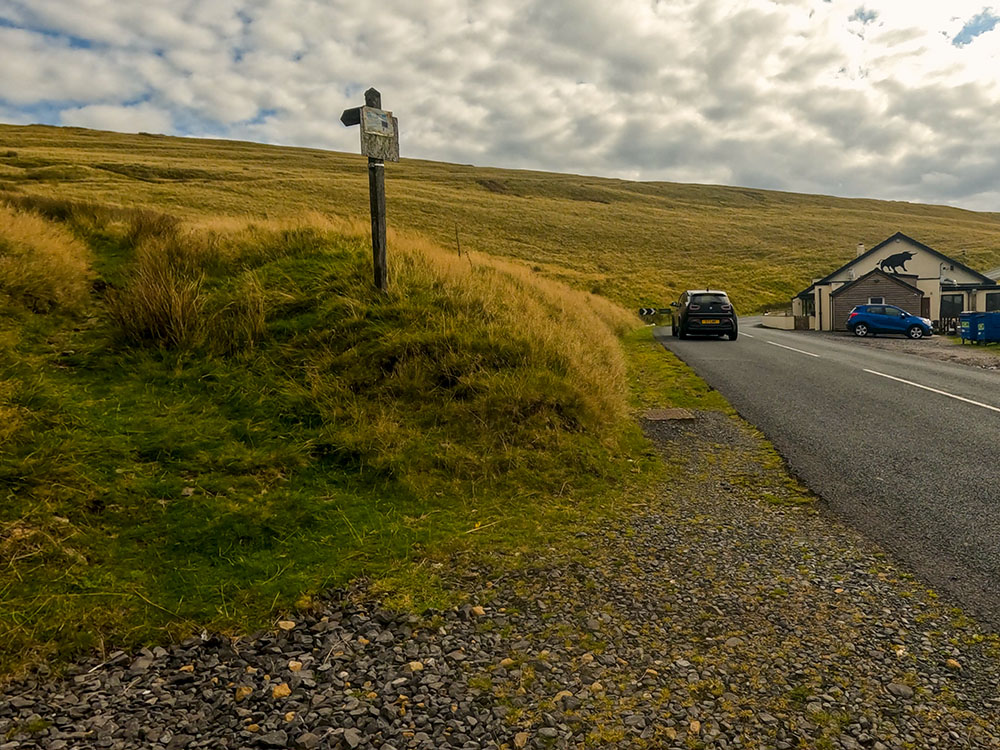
(749, 336)
(935, 390)
(793, 349)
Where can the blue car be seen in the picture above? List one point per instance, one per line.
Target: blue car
(867, 320)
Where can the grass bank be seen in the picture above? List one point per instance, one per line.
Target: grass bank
(207, 423)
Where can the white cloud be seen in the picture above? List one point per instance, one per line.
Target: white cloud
(867, 98)
(39, 68)
(126, 119)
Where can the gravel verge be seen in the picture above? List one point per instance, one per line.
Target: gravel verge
(701, 617)
(941, 348)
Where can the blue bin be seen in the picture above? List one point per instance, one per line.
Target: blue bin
(988, 328)
(968, 326)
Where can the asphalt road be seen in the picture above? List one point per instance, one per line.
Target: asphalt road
(884, 438)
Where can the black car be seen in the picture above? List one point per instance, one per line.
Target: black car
(703, 312)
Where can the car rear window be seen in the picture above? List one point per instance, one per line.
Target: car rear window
(709, 299)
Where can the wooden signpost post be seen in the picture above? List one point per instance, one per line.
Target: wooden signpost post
(380, 143)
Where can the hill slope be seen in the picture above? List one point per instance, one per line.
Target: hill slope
(637, 243)
(200, 426)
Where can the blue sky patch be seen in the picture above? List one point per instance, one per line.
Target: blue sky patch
(976, 25)
(41, 113)
(189, 123)
(263, 115)
(75, 42)
(864, 15)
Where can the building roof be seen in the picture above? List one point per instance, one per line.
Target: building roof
(807, 293)
(986, 280)
(892, 277)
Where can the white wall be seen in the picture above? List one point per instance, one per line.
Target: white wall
(784, 322)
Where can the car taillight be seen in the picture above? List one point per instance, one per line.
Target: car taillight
(851, 315)
(727, 308)
(694, 307)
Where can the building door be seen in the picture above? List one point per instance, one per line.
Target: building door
(925, 307)
(951, 306)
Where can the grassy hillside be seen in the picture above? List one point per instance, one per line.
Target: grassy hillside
(202, 425)
(636, 243)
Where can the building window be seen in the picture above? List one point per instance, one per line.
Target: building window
(993, 302)
(876, 300)
(951, 305)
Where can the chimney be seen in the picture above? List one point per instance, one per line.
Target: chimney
(861, 249)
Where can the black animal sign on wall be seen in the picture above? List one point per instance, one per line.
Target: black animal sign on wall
(896, 263)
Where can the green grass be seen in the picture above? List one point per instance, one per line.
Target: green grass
(658, 378)
(154, 486)
(638, 244)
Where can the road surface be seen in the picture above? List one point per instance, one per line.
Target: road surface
(906, 449)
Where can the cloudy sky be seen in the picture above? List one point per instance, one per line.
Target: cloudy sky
(896, 99)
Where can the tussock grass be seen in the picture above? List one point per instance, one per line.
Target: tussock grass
(76, 213)
(42, 266)
(162, 301)
(145, 225)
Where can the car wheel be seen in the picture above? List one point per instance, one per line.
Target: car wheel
(681, 333)
(673, 329)
(915, 332)
(861, 329)
(733, 335)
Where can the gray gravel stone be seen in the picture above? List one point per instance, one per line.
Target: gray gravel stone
(273, 739)
(901, 691)
(705, 617)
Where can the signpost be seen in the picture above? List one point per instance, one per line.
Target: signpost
(646, 311)
(380, 143)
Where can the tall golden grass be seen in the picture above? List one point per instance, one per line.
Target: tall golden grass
(572, 331)
(42, 265)
(532, 333)
(162, 301)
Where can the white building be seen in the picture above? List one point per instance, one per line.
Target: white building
(903, 272)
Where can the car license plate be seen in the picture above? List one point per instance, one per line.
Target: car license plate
(713, 321)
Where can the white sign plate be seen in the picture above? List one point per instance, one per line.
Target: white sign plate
(379, 134)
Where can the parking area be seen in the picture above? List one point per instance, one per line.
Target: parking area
(944, 348)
